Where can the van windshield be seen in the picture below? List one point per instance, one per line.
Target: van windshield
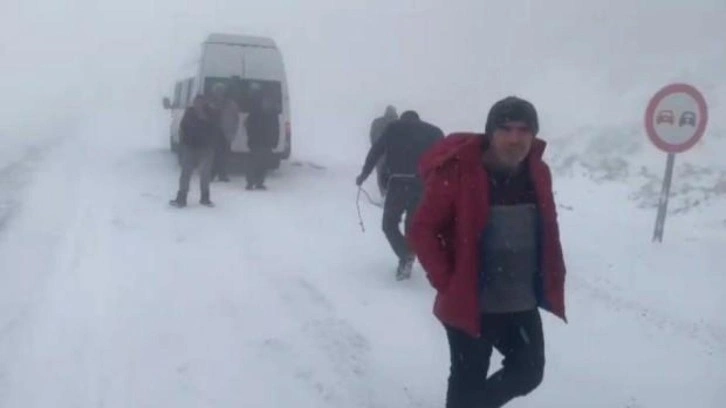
(246, 91)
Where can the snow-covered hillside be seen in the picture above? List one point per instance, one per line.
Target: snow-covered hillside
(623, 155)
(613, 149)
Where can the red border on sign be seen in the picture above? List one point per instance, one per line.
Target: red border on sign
(650, 114)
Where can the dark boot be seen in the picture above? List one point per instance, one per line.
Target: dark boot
(180, 200)
(205, 199)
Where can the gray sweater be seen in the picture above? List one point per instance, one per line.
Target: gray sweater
(510, 259)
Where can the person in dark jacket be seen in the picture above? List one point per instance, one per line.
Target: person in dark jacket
(487, 235)
(197, 150)
(263, 134)
(403, 143)
(378, 126)
(225, 115)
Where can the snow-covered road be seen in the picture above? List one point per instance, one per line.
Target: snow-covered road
(110, 298)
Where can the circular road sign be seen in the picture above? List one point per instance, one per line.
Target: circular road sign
(676, 118)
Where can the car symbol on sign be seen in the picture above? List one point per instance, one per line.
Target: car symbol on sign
(665, 116)
(687, 118)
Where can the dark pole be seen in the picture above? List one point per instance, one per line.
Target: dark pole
(663, 201)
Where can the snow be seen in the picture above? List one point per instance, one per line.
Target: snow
(112, 298)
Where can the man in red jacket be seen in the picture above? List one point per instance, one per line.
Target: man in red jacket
(486, 233)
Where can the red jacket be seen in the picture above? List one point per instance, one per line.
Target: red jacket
(453, 213)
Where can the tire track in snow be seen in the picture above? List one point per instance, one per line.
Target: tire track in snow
(66, 344)
(345, 347)
(349, 353)
(61, 333)
(322, 353)
(13, 177)
(16, 175)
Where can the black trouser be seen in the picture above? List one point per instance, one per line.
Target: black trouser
(257, 166)
(192, 158)
(381, 176)
(519, 338)
(403, 196)
(221, 156)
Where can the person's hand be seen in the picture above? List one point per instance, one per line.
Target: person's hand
(359, 180)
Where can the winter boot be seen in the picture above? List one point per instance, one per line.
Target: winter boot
(180, 201)
(405, 266)
(205, 199)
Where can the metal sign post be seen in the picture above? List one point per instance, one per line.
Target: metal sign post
(675, 121)
(663, 201)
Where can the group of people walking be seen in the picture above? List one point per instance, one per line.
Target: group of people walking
(207, 130)
(478, 213)
(480, 216)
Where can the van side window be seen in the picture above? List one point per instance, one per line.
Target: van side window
(247, 92)
(177, 95)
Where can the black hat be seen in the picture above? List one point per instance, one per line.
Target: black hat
(509, 109)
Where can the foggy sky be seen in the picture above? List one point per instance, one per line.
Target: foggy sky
(579, 61)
